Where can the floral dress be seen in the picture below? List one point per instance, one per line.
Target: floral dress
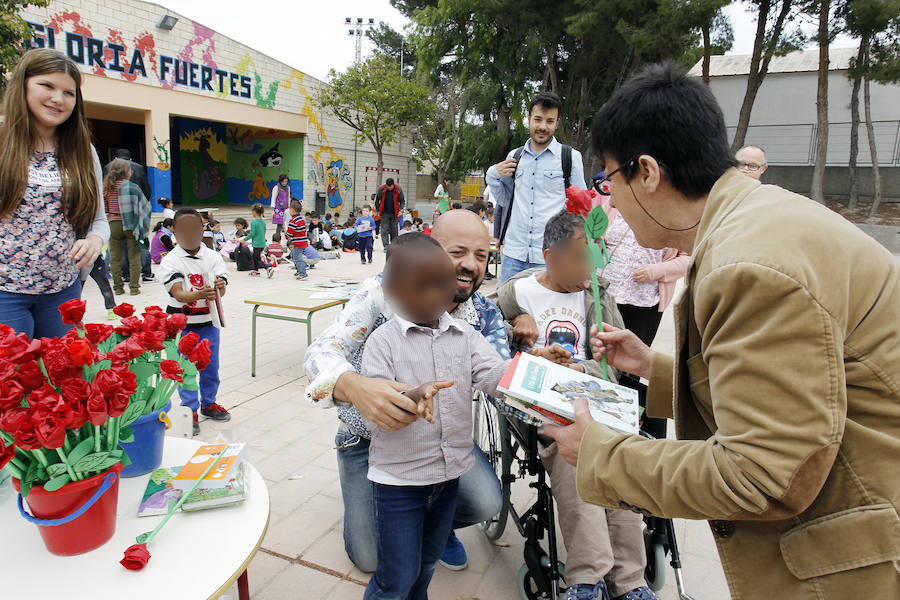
(35, 240)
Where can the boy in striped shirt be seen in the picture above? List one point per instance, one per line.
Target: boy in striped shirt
(185, 273)
(296, 237)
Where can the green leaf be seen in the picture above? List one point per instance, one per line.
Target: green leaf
(133, 412)
(25, 487)
(122, 457)
(57, 482)
(126, 435)
(56, 470)
(91, 462)
(81, 450)
(108, 462)
(144, 370)
(596, 223)
(31, 475)
(103, 364)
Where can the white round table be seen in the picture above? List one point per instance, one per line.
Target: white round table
(196, 555)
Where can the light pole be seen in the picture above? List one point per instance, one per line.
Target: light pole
(359, 26)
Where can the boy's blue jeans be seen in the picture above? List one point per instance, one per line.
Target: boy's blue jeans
(365, 244)
(209, 377)
(412, 524)
(37, 315)
(297, 257)
(511, 266)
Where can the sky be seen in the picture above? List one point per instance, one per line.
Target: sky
(312, 36)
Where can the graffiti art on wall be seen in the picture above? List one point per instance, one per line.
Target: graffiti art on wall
(334, 177)
(256, 158)
(203, 156)
(162, 154)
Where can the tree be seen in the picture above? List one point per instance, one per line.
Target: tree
(391, 43)
(375, 100)
(824, 37)
(871, 21)
(12, 31)
(770, 40)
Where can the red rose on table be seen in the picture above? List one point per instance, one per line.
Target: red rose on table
(154, 322)
(200, 355)
(15, 419)
(98, 332)
(129, 325)
(20, 348)
(44, 398)
(136, 557)
(30, 375)
(26, 438)
(76, 393)
(50, 429)
(6, 453)
(170, 369)
(154, 310)
(96, 409)
(107, 382)
(124, 310)
(187, 343)
(81, 351)
(7, 369)
(11, 394)
(127, 350)
(129, 380)
(152, 340)
(175, 323)
(72, 311)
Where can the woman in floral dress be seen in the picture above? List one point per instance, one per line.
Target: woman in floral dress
(52, 223)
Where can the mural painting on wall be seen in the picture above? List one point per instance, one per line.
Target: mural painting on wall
(256, 158)
(203, 156)
(162, 154)
(334, 177)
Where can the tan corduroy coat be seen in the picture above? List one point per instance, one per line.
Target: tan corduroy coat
(785, 392)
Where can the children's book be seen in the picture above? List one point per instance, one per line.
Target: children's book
(224, 469)
(160, 493)
(542, 388)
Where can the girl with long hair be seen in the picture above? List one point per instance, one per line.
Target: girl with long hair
(281, 199)
(52, 223)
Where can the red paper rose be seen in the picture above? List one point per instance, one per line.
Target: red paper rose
(20, 348)
(125, 351)
(76, 392)
(6, 453)
(170, 369)
(30, 375)
(136, 557)
(116, 390)
(200, 355)
(152, 340)
(26, 438)
(96, 409)
(81, 351)
(44, 398)
(124, 310)
(11, 394)
(7, 369)
(129, 325)
(58, 362)
(50, 429)
(72, 311)
(15, 419)
(187, 343)
(97, 332)
(579, 201)
(175, 323)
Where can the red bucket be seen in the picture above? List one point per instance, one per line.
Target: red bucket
(78, 517)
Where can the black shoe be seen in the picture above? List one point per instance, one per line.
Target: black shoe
(196, 425)
(215, 412)
(150, 277)
(488, 276)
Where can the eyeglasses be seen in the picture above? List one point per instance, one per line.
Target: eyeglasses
(598, 180)
(751, 167)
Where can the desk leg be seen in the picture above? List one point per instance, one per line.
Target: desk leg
(243, 586)
(309, 317)
(253, 341)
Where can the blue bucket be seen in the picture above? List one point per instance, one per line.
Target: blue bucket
(146, 450)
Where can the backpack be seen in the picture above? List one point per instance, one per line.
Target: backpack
(567, 174)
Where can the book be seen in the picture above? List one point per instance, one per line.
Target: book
(224, 469)
(545, 389)
(160, 494)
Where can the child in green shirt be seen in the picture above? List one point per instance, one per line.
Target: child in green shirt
(257, 239)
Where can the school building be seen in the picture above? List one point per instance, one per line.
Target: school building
(213, 120)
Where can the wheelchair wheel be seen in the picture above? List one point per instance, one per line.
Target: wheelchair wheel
(528, 590)
(655, 571)
(492, 437)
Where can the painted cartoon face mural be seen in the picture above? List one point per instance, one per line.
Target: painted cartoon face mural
(271, 157)
(334, 177)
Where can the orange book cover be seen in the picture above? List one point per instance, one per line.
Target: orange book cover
(226, 466)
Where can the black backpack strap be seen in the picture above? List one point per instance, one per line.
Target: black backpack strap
(507, 212)
(567, 165)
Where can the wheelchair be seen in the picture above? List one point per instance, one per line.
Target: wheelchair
(511, 446)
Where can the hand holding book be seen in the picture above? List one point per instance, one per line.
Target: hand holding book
(568, 439)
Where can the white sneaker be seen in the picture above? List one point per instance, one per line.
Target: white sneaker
(269, 272)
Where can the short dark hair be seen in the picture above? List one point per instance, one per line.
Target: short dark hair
(389, 181)
(562, 227)
(182, 212)
(413, 240)
(123, 153)
(163, 201)
(258, 209)
(546, 100)
(478, 206)
(457, 205)
(328, 216)
(241, 221)
(673, 118)
(276, 237)
(282, 177)
(296, 206)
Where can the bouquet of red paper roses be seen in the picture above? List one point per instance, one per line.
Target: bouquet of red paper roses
(66, 403)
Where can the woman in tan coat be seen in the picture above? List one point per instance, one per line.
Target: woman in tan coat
(785, 386)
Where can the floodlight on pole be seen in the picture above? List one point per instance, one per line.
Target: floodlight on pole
(359, 28)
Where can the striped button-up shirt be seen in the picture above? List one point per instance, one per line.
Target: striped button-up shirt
(425, 453)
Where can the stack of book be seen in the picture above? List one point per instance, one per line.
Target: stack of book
(545, 390)
(225, 484)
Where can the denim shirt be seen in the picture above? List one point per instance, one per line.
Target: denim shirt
(540, 194)
(340, 347)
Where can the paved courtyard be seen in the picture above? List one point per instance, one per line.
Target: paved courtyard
(291, 443)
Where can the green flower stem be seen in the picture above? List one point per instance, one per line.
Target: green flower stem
(40, 362)
(15, 471)
(168, 387)
(184, 496)
(110, 432)
(7, 439)
(62, 456)
(96, 438)
(40, 458)
(17, 463)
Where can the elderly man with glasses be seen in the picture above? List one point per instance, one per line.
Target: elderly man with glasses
(751, 161)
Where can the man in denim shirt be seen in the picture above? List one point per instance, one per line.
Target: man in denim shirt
(333, 361)
(539, 186)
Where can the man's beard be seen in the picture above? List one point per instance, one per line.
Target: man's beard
(459, 298)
